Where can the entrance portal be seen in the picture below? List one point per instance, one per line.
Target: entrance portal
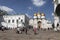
(39, 24)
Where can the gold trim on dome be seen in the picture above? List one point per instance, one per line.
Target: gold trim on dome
(35, 14)
(38, 14)
(42, 14)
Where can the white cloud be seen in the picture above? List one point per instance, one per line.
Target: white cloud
(7, 9)
(52, 14)
(30, 8)
(38, 3)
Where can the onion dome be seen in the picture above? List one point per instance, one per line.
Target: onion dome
(38, 15)
(42, 15)
(35, 15)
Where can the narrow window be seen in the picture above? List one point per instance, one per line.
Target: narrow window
(8, 21)
(17, 21)
(12, 21)
(19, 18)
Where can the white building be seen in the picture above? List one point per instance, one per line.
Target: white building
(56, 13)
(12, 21)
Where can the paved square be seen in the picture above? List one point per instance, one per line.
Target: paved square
(43, 35)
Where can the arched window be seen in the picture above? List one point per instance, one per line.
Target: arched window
(39, 22)
(21, 20)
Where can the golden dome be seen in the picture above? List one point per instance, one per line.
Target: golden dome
(38, 14)
(42, 14)
(35, 14)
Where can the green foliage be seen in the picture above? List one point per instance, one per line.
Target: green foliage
(3, 13)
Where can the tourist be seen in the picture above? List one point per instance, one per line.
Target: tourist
(35, 26)
(2, 28)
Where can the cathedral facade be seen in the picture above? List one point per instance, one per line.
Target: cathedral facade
(39, 21)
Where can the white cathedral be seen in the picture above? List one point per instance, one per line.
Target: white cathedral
(40, 17)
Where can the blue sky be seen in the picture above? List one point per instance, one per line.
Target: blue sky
(30, 6)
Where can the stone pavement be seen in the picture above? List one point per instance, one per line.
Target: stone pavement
(42, 35)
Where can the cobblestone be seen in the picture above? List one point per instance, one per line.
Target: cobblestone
(42, 35)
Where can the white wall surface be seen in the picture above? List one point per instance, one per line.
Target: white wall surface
(13, 17)
(31, 22)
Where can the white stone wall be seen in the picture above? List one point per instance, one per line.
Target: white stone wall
(31, 22)
(58, 1)
(35, 23)
(44, 24)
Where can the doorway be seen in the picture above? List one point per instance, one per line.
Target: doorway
(39, 24)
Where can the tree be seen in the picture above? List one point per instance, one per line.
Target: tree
(3, 13)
